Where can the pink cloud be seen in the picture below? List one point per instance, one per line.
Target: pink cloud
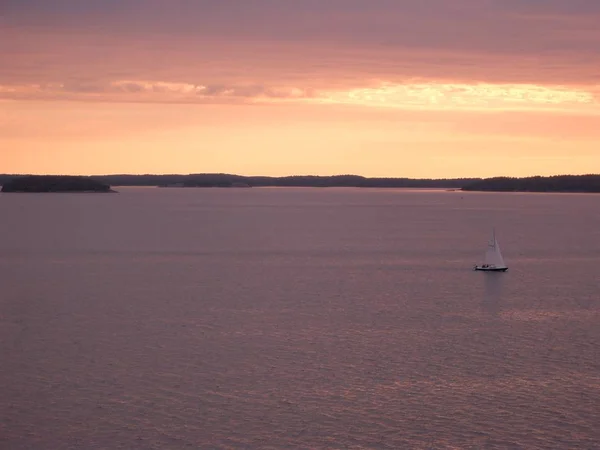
(289, 48)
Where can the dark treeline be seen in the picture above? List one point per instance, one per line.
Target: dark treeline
(54, 183)
(558, 183)
(561, 183)
(227, 180)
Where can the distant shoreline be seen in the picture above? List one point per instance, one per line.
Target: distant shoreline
(54, 184)
(558, 183)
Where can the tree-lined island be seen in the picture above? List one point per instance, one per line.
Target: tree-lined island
(103, 183)
(559, 183)
(54, 183)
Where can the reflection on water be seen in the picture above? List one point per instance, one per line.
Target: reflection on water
(493, 287)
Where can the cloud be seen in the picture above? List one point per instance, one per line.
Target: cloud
(210, 91)
(401, 96)
(460, 25)
(153, 92)
(282, 49)
(550, 8)
(468, 96)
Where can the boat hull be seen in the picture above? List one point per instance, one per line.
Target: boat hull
(491, 269)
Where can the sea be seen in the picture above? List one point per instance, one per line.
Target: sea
(298, 318)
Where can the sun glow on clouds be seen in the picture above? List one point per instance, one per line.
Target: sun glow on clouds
(476, 96)
(431, 95)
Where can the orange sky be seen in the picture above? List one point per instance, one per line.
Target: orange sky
(374, 88)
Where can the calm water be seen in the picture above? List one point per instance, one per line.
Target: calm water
(298, 318)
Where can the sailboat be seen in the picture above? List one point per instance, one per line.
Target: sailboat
(493, 261)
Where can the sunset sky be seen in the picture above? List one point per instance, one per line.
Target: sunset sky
(429, 88)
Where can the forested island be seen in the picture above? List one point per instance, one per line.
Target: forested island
(239, 181)
(54, 183)
(102, 183)
(559, 183)
(229, 180)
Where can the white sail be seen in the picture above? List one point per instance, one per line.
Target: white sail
(493, 256)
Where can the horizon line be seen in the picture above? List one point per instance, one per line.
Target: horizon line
(298, 175)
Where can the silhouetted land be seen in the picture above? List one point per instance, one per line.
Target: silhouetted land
(54, 183)
(228, 180)
(562, 183)
(559, 183)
